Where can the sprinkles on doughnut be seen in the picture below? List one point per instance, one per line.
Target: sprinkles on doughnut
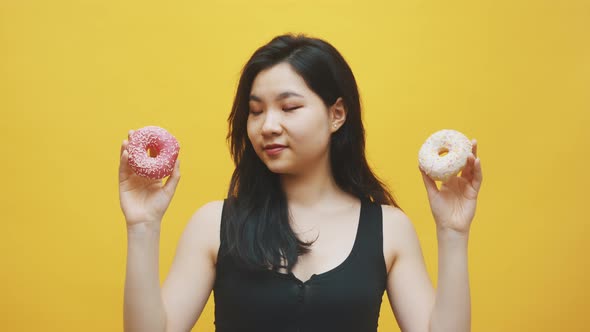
(438, 165)
(152, 152)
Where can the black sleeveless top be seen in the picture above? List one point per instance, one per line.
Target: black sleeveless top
(346, 298)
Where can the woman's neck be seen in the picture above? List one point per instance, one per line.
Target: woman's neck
(312, 189)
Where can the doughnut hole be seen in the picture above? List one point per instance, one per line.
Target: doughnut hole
(152, 151)
(443, 152)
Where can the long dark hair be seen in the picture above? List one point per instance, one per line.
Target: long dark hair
(257, 230)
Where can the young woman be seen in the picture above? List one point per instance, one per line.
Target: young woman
(308, 238)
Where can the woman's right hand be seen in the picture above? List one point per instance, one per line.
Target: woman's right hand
(144, 200)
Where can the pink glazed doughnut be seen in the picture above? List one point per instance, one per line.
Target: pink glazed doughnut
(440, 166)
(152, 152)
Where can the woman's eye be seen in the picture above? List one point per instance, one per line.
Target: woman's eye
(255, 112)
(291, 108)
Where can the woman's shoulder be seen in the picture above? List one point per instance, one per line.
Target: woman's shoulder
(397, 223)
(204, 227)
(210, 209)
(399, 232)
(394, 216)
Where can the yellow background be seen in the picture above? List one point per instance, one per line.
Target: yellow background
(75, 76)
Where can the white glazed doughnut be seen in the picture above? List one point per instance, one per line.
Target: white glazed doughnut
(163, 151)
(440, 166)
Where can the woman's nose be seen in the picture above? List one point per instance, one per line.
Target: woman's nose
(271, 124)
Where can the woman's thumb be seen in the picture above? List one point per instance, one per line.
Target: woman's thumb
(429, 183)
(172, 182)
(124, 168)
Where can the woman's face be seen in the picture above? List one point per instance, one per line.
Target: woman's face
(289, 126)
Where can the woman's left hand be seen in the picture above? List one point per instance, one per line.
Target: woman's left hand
(453, 205)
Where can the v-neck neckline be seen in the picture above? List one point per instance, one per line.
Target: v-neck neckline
(338, 267)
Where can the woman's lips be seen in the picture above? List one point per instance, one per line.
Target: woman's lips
(275, 150)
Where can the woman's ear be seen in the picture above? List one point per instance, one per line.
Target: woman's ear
(337, 114)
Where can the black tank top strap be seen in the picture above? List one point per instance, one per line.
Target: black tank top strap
(224, 215)
(371, 233)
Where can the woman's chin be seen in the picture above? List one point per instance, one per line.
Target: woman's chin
(278, 168)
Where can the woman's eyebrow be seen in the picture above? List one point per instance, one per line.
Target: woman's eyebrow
(281, 96)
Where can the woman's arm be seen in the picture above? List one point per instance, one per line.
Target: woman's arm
(453, 207)
(192, 274)
(143, 309)
(415, 303)
(452, 307)
(409, 287)
(177, 305)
